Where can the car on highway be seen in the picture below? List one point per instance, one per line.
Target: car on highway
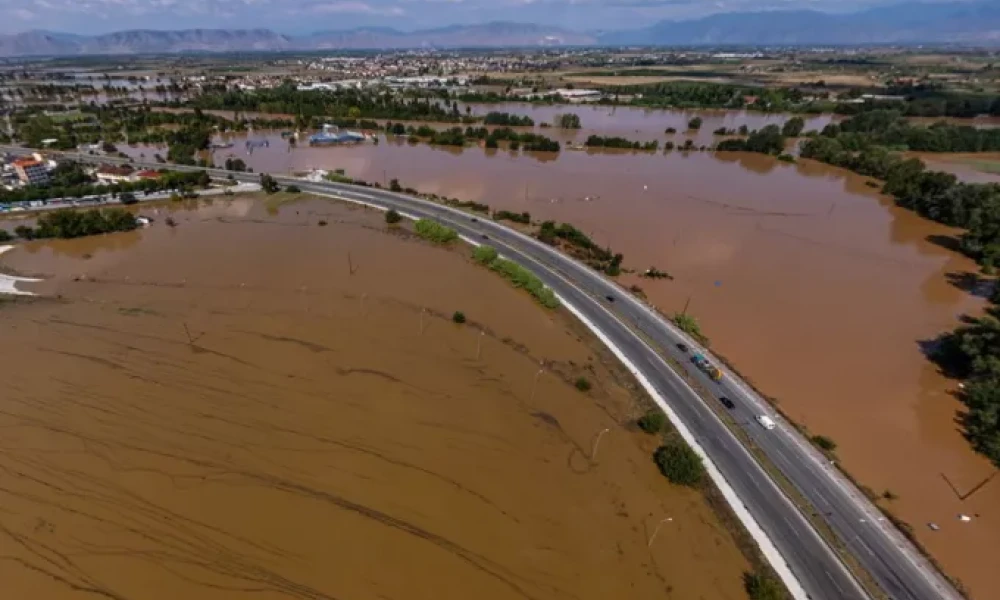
(727, 402)
(610, 298)
(682, 347)
(766, 422)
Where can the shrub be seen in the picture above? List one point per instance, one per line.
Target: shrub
(394, 185)
(689, 325)
(293, 189)
(523, 278)
(322, 223)
(760, 586)
(679, 463)
(824, 443)
(392, 217)
(435, 232)
(889, 495)
(582, 384)
(695, 123)
(670, 130)
(484, 254)
(458, 317)
(652, 422)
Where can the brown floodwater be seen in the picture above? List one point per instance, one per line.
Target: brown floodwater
(813, 285)
(222, 409)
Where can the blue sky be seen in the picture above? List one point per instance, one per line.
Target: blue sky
(299, 16)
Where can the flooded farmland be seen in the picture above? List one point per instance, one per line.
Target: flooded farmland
(813, 285)
(252, 402)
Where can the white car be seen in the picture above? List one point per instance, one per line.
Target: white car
(766, 422)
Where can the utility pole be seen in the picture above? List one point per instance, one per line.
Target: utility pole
(534, 384)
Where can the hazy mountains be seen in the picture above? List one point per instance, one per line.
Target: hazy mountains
(44, 43)
(956, 22)
(910, 23)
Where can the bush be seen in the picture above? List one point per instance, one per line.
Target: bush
(679, 463)
(824, 443)
(670, 130)
(392, 217)
(689, 325)
(760, 586)
(582, 384)
(5, 235)
(458, 317)
(293, 189)
(652, 422)
(695, 123)
(435, 232)
(322, 223)
(394, 185)
(484, 255)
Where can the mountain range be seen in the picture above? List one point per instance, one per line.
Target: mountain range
(973, 23)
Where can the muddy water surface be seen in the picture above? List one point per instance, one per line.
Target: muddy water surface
(805, 278)
(221, 409)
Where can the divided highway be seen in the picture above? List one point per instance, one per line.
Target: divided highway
(891, 560)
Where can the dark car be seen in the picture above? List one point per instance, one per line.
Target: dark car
(610, 298)
(475, 220)
(682, 346)
(727, 403)
(486, 237)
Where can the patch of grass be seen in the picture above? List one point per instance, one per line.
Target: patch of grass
(582, 384)
(435, 232)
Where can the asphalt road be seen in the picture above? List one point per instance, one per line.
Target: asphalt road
(891, 560)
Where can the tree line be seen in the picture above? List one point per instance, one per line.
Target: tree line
(69, 223)
(858, 144)
(597, 141)
(70, 181)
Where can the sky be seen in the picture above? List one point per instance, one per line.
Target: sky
(303, 16)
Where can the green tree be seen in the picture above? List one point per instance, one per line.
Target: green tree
(582, 384)
(695, 123)
(761, 586)
(679, 463)
(652, 422)
(268, 184)
(793, 127)
(394, 185)
(392, 217)
(458, 317)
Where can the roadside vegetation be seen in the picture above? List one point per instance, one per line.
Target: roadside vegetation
(580, 246)
(652, 422)
(689, 325)
(516, 274)
(678, 462)
(435, 232)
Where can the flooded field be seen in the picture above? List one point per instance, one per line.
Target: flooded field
(813, 285)
(222, 408)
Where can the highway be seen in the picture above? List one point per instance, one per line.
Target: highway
(644, 338)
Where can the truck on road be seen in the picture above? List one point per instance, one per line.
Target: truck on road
(706, 367)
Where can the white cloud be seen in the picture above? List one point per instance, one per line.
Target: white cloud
(22, 14)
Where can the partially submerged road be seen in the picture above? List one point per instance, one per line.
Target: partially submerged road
(644, 338)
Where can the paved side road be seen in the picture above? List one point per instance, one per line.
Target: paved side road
(891, 560)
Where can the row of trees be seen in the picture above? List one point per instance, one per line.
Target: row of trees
(507, 119)
(68, 223)
(69, 185)
(455, 136)
(972, 352)
(935, 195)
(889, 128)
(580, 246)
(597, 141)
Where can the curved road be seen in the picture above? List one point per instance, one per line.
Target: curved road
(645, 338)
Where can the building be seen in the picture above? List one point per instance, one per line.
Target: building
(31, 171)
(114, 173)
(147, 174)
